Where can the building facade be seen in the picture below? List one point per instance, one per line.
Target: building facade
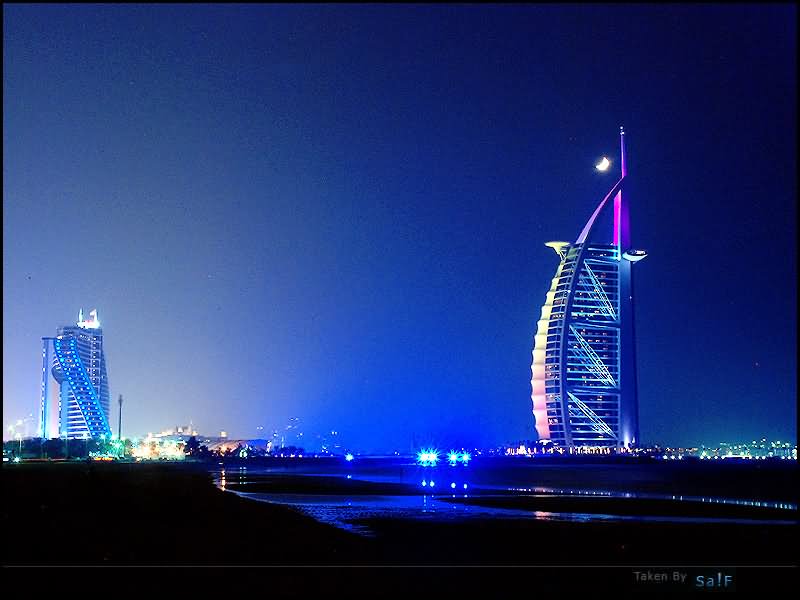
(584, 367)
(78, 368)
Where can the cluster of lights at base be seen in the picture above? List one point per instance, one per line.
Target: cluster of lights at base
(463, 457)
(154, 449)
(430, 457)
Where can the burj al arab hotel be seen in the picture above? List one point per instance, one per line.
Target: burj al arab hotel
(584, 362)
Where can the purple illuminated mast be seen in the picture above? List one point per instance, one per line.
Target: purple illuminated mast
(622, 222)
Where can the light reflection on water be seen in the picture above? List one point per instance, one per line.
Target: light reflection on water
(462, 481)
(434, 485)
(646, 496)
(343, 511)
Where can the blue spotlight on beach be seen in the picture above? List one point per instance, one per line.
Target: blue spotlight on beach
(348, 457)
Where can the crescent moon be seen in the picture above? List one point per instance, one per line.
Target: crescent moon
(603, 164)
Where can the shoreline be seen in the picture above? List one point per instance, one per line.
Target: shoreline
(174, 514)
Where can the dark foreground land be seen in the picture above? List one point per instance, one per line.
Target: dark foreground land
(158, 513)
(173, 514)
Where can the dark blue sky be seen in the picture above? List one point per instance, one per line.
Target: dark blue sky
(338, 213)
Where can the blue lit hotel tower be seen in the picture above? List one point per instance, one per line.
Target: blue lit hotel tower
(78, 367)
(584, 365)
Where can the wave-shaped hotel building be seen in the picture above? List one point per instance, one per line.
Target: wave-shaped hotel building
(584, 363)
(78, 366)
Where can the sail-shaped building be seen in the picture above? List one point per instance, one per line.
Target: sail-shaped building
(584, 363)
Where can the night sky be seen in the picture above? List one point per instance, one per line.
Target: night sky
(338, 213)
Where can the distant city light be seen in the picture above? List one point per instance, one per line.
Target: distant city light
(603, 164)
(453, 457)
(348, 457)
(424, 483)
(466, 457)
(453, 485)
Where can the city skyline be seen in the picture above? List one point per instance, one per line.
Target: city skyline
(337, 213)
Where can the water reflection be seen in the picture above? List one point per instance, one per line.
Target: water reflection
(649, 496)
(349, 512)
(435, 486)
(242, 478)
